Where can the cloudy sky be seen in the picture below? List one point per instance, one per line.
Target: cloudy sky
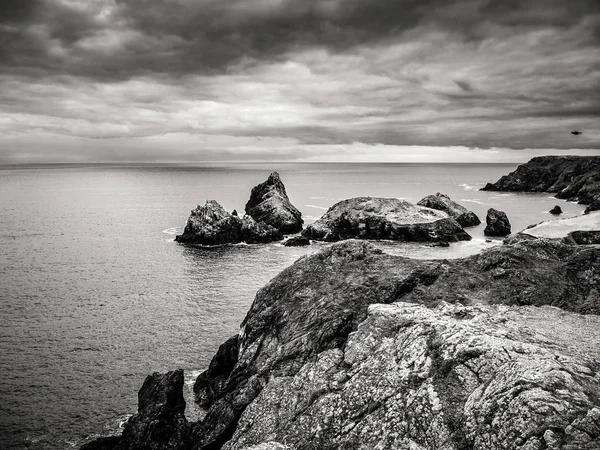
(194, 80)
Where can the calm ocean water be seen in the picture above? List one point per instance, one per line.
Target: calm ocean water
(94, 293)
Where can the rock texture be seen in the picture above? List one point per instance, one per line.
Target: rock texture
(354, 348)
(212, 225)
(556, 210)
(442, 202)
(575, 178)
(269, 203)
(497, 223)
(297, 241)
(160, 423)
(562, 229)
(594, 206)
(385, 218)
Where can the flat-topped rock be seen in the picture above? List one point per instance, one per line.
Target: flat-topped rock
(385, 218)
(575, 178)
(211, 224)
(442, 202)
(497, 223)
(562, 228)
(269, 203)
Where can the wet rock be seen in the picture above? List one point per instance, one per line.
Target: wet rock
(297, 241)
(269, 203)
(556, 210)
(497, 223)
(594, 206)
(212, 225)
(442, 202)
(160, 423)
(574, 178)
(254, 232)
(385, 218)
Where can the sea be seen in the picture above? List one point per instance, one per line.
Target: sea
(95, 294)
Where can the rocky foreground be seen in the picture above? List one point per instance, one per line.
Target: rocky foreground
(573, 178)
(385, 218)
(355, 348)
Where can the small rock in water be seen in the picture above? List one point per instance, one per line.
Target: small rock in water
(297, 241)
(497, 223)
(556, 210)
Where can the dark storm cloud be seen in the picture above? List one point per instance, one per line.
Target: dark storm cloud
(236, 75)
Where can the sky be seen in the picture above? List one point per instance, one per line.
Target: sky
(298, 80)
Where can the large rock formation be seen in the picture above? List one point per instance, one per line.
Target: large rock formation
(269, 203)
(442, 202)
(385, 218)
(354, 348)
(497, 223)
(212, 225)
(570, 177)
(580, 230)
(594, 206)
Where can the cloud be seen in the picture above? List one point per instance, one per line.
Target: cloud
(431, 74)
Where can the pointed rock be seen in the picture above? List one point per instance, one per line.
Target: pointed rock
(269, 203)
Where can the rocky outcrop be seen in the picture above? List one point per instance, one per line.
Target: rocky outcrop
(497, 223)
(574, 178)
(583, 237)
(160, 423)
(354, 348)
(594, 206)
(556, 210)
(442, 202)
(384, 218)
(269, 203)
(212, 225)
(297, 241)
(575, 230)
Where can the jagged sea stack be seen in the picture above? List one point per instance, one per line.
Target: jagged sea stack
(269, 203)
(497, 223)
(211, 224)
(442, 202)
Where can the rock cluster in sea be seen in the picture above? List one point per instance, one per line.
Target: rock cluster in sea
(385, 218)
(442, 202)
(212, 225)
(269, 214)
(269, 203)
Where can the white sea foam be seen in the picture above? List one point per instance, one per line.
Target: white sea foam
(172, 230)
(468, 187)
(317, 207)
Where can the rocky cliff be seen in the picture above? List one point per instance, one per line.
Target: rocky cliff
(574, 178)
(385, 218)
(355, 348)
(269, 203)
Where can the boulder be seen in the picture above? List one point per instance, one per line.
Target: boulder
(297, 241)
(385, 218)
(269, 203)
(442, 202)
(556, 210)
(212, 225)
(497, 223)
(574, 178)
